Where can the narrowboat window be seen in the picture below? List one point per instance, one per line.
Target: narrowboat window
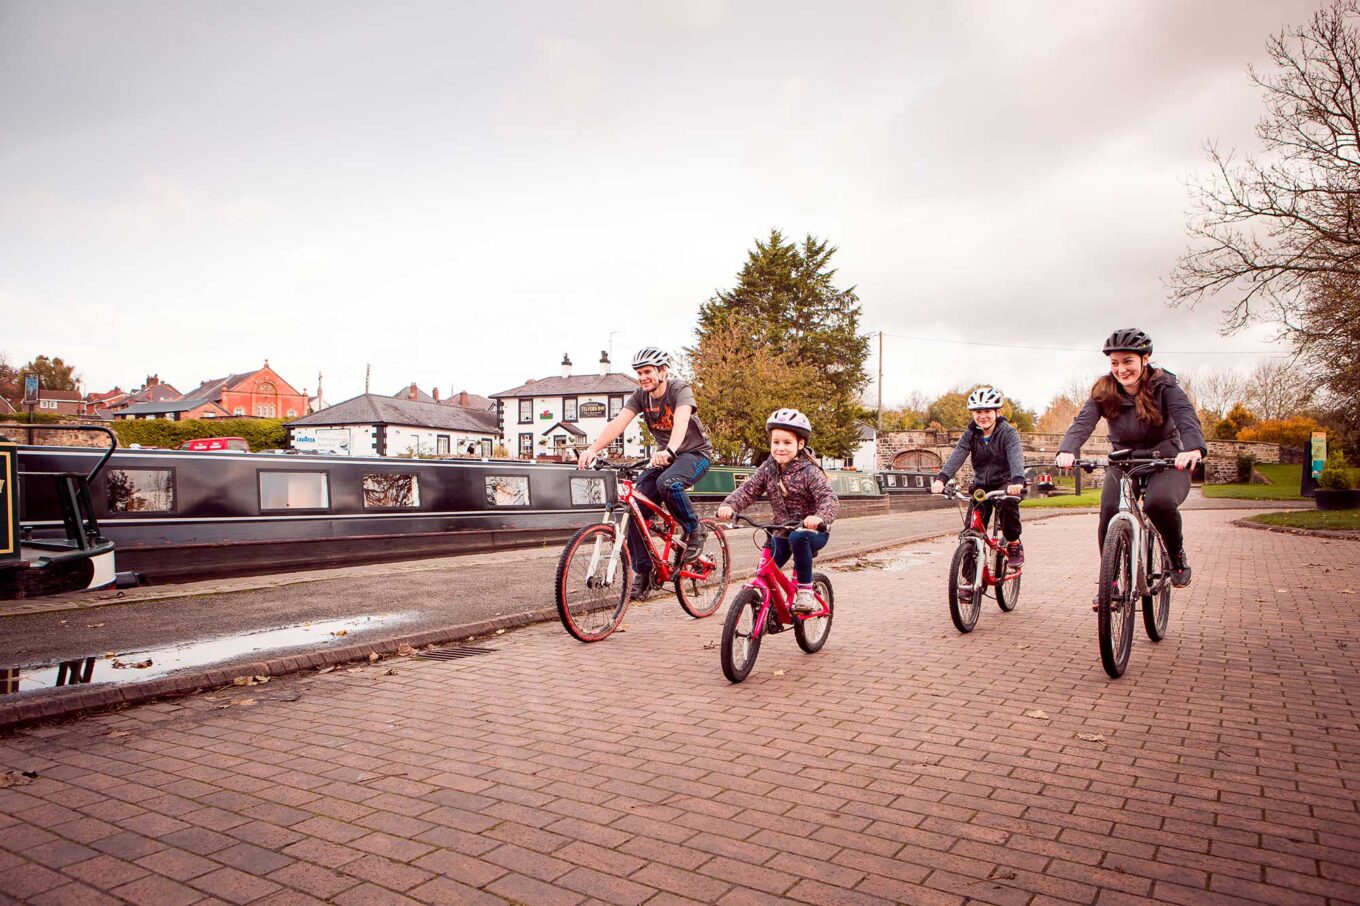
(920, 482)
(892, 481)
(568, 408)
(526, 412)
(388, 489)
(294, 491)
(141, 490)
(507, 490)
(587, 491)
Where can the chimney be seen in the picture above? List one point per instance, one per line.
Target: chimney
(566, 365)
(413, 392)
(604, 362)
(152, 380)
(435, 393)
(463, 399)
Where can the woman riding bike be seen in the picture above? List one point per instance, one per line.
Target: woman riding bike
(1145, 409)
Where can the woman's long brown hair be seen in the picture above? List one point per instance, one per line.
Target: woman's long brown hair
(1108, 397)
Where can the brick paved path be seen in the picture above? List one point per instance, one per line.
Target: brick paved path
(896, 765)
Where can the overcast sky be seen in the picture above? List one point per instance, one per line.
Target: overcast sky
(458, 193)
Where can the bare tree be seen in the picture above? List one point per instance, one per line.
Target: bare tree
(1278, 389)
(1214, 390)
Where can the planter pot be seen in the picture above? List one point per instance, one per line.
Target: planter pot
(1328, 499)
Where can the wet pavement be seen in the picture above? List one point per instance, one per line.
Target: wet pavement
(903, 763)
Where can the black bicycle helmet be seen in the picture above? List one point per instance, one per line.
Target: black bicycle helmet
(1129, 339)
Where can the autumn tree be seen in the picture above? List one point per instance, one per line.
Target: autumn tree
(950, 410)
(10, 388)
(1277, 389)
(1214, 391)
(1277, 236)
(53, 374)
(1059, 415)
(1287, 432)
(909, 415)
(787, 307)
(1232, 424)
(737, 386)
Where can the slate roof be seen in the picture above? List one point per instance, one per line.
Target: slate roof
(474, 401)
(573, 385)
(374, 409)
(568, 427)
(212, 390)
(165, 406)
(405, 394)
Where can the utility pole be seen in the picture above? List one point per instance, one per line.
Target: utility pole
(879, 425)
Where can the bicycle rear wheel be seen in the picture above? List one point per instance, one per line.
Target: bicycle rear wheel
(589, 604)
(1115, 599)
(740, 644)
(701, 597)
(1157, 606)
(964, 597)
(811, 632)
(1007, 584)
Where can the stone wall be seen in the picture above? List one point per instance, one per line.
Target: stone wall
(1221, 466)
(44, 436)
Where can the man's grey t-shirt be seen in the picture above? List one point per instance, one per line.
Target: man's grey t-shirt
(659, 414)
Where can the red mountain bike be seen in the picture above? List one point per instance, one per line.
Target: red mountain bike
(980, 562)
(595, 573)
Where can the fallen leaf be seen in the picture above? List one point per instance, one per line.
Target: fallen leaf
(1091, 737)
(1022, 647)
(261, 679)
(16, 778)
(339, 632)
(709, 646)
(392, 672)
(136, 665)
(91, 625)
(62, 622)
(500, 632)
(405, 650)
(372, 656)
(110, 654)
(1281, 591)
(244, 702)
(779, 673)
(1037, 714)
(325, 669)
(243, 681)
(117, 733)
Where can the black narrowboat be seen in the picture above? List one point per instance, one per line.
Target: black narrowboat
(178, 515)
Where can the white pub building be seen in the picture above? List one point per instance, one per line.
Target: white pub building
(560, 416)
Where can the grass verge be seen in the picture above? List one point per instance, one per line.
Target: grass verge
(1332, 520)
(1088, 497)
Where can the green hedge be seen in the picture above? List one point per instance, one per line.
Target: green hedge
(39, 418)
(260, 433)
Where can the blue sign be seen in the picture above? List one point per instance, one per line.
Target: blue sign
(30, 388)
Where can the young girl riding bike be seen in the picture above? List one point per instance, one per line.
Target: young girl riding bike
(1145, 409)
(799, 491)
(998, 462)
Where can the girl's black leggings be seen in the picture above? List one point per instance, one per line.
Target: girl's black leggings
(1161, 502)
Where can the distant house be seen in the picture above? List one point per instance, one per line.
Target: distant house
(260, 393)
(565, 414)
(6, 408)
(60, 402)
(464, 400)
(173, 410)
(153, 391)
(375, 425)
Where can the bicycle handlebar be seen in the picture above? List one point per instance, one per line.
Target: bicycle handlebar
(772, 527)
(952, 492)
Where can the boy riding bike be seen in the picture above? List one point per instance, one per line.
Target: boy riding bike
(998, 462)
(667, 406)
(799, 491)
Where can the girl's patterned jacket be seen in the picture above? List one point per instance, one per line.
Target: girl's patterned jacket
(798, 490)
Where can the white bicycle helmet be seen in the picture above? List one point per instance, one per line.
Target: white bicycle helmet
(650, 355)
(790, 420)
(985, 398)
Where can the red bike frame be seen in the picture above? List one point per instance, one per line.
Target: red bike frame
(662, 567)
(977, 525)
(777, 590)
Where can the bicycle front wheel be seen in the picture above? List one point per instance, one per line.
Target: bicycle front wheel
(1007, 584)
(1157, 606)
(964, 596)
(589, 603)
(1115, 599)
(811, 632)
(702, 584)
(740, 644)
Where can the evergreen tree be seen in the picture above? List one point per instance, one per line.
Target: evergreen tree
(786, 304)
(53, 374)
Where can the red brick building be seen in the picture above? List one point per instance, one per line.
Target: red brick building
(260, 393)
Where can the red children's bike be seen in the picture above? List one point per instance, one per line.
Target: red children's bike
(762, 608)
(595, 573)
(980, 563)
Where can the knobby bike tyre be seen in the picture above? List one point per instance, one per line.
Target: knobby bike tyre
(702, 598)
(589, 608)
(963, 579)
(811, 632)
(1157, 606)
(740, 644)
(1115, 599)
(1007, 584)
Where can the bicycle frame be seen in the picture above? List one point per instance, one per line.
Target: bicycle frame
(1142, 531)
(976, 530)
(631, 503)
(776, 590)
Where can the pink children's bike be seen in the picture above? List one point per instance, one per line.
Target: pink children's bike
(762, 608)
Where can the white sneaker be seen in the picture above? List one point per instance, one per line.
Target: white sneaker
(805, 601)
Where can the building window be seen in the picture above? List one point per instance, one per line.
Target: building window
(526, 446)
(294, 491)
(441, 445)
(141, 490)
(210, 414)
(47, 404)
(615, 447)
(265, 410)
(526, 412)
(486, 448)
(615, 405)
(239, 410)
(292, 413)
(391, 490)
(568, 408)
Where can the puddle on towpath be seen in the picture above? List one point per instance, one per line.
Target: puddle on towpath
(135, 665)
(889, 562)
